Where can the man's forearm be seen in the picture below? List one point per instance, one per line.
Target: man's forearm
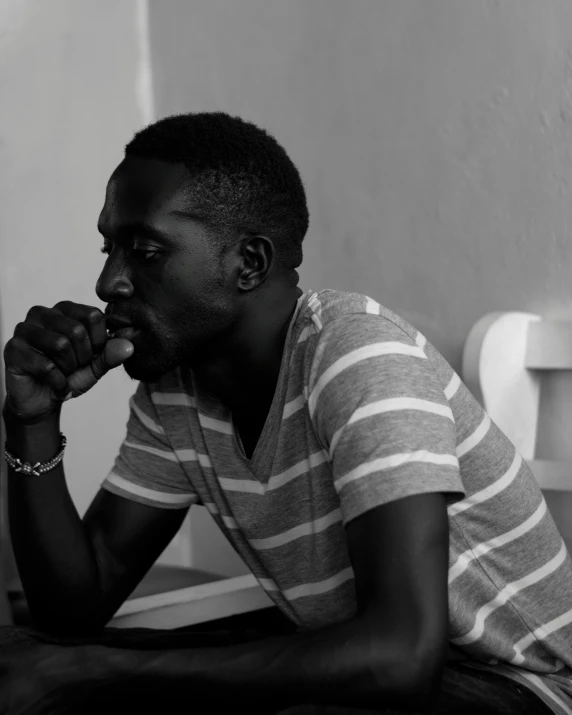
(344, 664)
(53, 553)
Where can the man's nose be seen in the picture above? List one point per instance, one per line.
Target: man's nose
(114, 281)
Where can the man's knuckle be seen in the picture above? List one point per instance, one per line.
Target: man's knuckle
(35, 310)
(14, 347)
(94, 315)
(49, 367)
(79, 332)
(61, 344)
(62, 305)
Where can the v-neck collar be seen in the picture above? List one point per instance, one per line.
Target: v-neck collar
(257, 464)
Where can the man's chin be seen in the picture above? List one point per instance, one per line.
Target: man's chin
(145, 370)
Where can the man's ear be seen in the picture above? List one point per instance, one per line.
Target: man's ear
(257, 256)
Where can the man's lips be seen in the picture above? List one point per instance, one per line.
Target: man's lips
(117, 328)
(127, 333)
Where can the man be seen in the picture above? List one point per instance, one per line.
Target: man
(379, 507)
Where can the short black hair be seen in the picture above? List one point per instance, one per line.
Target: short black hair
(243, 180)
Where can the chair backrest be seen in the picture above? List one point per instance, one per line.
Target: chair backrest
(504, 357)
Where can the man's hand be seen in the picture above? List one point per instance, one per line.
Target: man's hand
(57, 353)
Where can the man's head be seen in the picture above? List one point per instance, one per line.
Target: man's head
(204, 210)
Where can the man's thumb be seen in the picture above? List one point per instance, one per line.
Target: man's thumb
(115, 352)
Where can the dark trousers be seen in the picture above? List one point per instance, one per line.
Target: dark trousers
(464, 691)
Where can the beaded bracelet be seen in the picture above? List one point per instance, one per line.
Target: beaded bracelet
(38, 468)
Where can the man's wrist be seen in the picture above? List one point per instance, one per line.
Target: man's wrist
(14, 421)
(33, 442)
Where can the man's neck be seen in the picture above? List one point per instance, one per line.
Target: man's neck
(244, 372)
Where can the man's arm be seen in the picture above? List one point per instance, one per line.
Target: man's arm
(77, 573)
(389, 655)
(73, 579)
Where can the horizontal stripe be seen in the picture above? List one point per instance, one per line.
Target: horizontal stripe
(293, 406)
(316, 307)
(421, 456)
(179, 399)
(465, 559)
(314, 302)
(372, 307)
(489, 492)
(214, 424)
(228, 521)
(151, 494)
(473, 440)
(392, 404)
(356, 356)
(317, 322)
(453, 386)
(268, 584)
(539, 684)
(421, 341)
(162, 453)
(319, 587)
(191, 455)
(179, 455)
(144, 419)
(309, 589)
(539, 634)
(508, 592)
(285, 537)
(253, 486)
(305, 333)
(297, 532)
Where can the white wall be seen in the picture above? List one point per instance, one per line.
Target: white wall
(434, 138)
(68, 103)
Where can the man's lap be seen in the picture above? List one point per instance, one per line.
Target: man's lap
(464, 691)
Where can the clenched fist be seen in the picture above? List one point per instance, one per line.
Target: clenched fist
(57, 353)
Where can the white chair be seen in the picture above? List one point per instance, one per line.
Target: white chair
(169, 596)
(185, 593)
(506, 363)
(200, 603)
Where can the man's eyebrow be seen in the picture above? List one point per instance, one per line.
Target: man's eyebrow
(127, 230)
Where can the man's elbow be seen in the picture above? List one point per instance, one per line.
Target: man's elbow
(425, 674)
(410, 678)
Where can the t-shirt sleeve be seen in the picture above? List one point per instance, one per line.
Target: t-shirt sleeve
(382, 415)
(147, 469)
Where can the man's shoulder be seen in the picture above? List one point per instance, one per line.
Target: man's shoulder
(331, 309)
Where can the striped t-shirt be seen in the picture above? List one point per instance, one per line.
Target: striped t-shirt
(365, 411)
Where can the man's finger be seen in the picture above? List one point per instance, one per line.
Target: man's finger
(114, 353)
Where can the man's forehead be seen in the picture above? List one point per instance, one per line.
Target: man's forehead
(148, 179)
(139, 186)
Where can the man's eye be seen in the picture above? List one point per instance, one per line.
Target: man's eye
(145, 255)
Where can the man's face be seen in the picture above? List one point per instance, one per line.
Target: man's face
(163, 272)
